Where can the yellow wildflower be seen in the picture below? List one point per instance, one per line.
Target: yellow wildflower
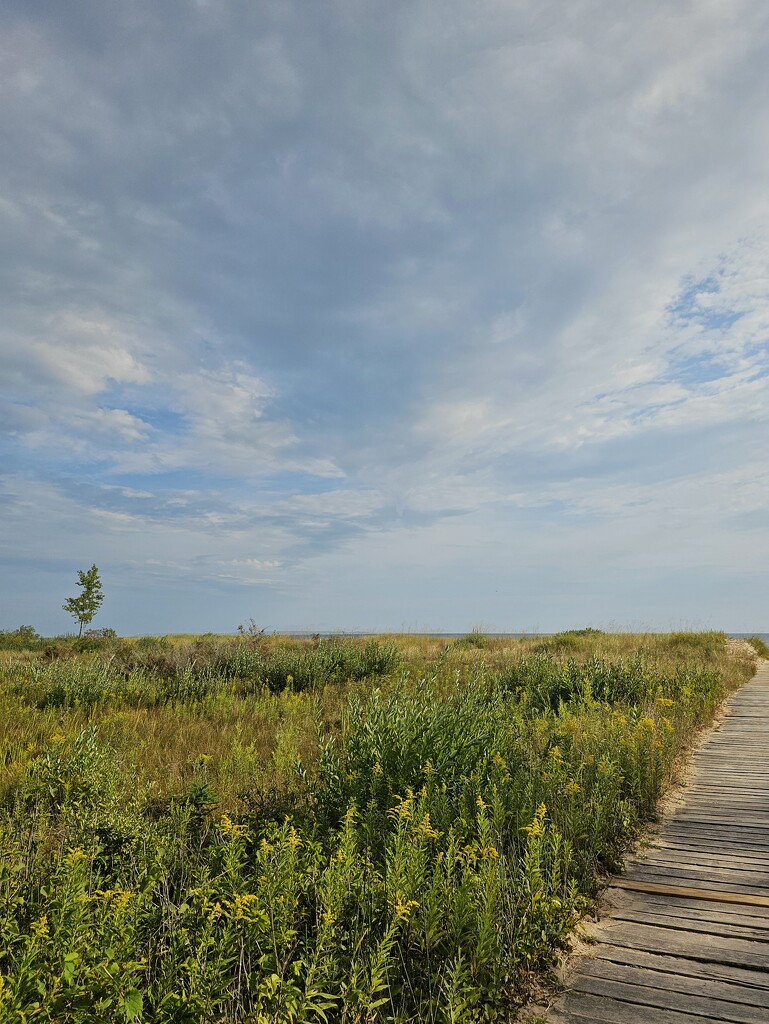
(241, 907)
(118, 898)
(402, 910)
(228, 827)
(425, 830)
(293, 839)
(216, 912)
(664, 702)
(572, 787)
(40, 927)
(536, 828)
(402, 811)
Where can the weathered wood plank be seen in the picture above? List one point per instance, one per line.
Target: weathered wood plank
(583, 1007)
(695, 910)
(694, 879)
(680, 904)
(714, 925)
(704, 859)
(687, 892)
(671, 964)
(730, 991)
(643, 996)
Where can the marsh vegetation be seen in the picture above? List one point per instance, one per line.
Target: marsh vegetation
(254, 828)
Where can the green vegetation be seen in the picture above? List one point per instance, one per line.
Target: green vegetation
(759, 646)
(89, 600)
(258, 829)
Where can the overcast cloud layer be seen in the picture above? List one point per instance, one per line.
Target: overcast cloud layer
(377, 316)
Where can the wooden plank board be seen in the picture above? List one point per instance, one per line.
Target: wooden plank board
(707, 853)
(696, 946)
(625, 900)
(646, 995)
(714, 925)
(683, 965)
(704, 859)
(584, 1007)
(681, 905)
(730, 991)
(693, 879)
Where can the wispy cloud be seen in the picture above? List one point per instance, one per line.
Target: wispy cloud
(347, 316)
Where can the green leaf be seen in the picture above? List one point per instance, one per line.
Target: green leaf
(68, 970)
(132, 1004)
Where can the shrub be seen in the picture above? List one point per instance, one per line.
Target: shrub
(24, 638)
(759, 646)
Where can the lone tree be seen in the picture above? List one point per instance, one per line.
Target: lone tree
(87, 604)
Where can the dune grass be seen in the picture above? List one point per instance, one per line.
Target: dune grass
(262, 829)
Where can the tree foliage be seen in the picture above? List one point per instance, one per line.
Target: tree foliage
(87, 603)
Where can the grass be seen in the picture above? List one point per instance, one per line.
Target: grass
(259, 829)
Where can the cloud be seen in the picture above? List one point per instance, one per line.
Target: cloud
(320, 300)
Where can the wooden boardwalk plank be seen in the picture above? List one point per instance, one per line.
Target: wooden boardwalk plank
(666, 981)
(652, 994)
(584, 1007)
(696, 950)
(689, 968)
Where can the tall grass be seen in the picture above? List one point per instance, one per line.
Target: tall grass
(354, 831)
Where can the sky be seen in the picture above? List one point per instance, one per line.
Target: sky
(385, 316)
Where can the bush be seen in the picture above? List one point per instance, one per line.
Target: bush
(327, 661)
(25, 638)
(759, 646)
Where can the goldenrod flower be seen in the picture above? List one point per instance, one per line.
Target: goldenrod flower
(402, 811)
(118, 899)
(293, 839)
(241, 907)
(402, 910)
(228, 827)
(216, 912)
(75, 856)
(425, 830)
(536, 828)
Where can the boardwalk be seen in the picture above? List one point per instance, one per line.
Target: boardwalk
(686, 938)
